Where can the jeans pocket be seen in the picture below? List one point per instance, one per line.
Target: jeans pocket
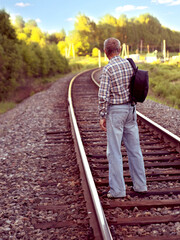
(119, 118)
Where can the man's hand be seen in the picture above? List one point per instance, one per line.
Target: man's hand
(102, 123)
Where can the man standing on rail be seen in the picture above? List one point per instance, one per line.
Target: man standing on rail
(118, 118)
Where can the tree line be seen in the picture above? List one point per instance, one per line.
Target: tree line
(145, 30)
(138, 32)
(27, 53)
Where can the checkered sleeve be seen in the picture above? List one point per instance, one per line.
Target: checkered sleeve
(104, 93)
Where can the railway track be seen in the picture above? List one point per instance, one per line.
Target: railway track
(155, 215)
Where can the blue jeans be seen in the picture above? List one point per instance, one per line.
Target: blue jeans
(122, 126)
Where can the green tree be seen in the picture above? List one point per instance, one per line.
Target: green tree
(109, 19)
(150, 30)
(84, 35)
(36, 35)
(6, 28)
(57, 37)
(26, 56)
(31, 24)
(63, 48)
(10, 58)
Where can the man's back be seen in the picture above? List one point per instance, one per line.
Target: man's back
(116, 75)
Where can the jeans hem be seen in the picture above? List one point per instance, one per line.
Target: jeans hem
(142, 189)
(118, 195)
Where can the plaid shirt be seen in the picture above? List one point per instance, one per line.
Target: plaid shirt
(114, 84)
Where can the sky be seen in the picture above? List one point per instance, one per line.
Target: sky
(55, 15)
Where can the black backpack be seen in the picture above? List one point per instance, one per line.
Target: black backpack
(139, 84)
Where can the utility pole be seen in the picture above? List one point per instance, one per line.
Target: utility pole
(124, 53)
(128, 50)
(141, 45)
(164, 49)
(148, 48)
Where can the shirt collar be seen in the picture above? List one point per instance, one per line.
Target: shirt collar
(114, 58)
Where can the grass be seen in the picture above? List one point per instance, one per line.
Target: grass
(5, 106)
(83, 63)
(164, 82)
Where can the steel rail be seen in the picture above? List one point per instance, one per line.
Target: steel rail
(173, 139)
(92, 77)
(105, 231)
(167, 135)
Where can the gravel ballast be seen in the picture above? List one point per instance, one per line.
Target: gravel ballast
(35, 173)
(41, 196)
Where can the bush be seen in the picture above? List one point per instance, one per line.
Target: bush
(5, 106)
(95, 52)
(76, 66)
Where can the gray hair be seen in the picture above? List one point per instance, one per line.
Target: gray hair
(112, 45)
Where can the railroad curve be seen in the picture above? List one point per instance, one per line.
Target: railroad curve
(155, 215)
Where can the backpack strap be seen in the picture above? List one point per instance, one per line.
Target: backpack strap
(133, 102)
(133, 65)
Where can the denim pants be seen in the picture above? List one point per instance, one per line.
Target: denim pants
(122, 126)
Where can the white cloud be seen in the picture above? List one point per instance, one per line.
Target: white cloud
(21, 4)
(162, 1)
(168, 2)
(175, 3)
(127, 8)
(141, 7)
(70, 19)
(38, 20)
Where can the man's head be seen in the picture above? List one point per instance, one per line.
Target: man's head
(112, 47)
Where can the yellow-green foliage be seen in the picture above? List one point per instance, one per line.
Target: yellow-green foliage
(164, 80)
(95, 52)
(27, 57)
(5, 106)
